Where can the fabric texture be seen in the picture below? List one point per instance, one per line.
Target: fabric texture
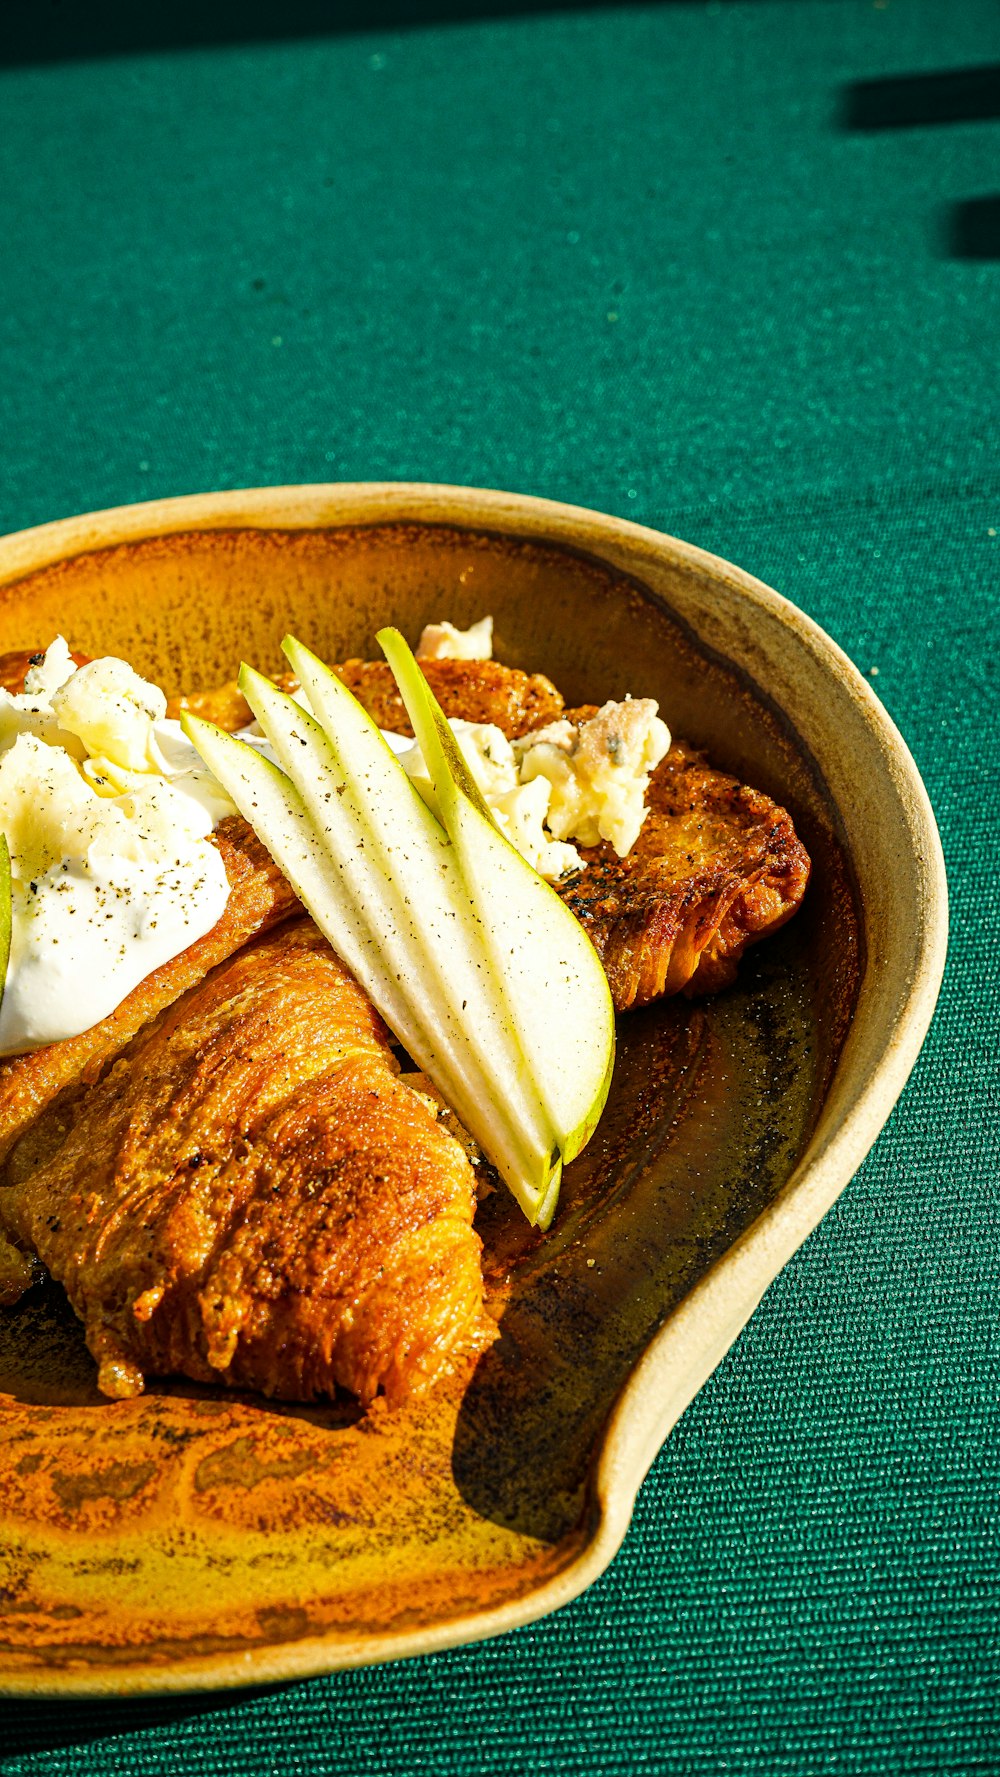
(659, 261)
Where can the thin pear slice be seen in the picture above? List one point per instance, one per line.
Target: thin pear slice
(336, 868)
(6, 912)
(555, 985)
(399, 866)
(270, 804)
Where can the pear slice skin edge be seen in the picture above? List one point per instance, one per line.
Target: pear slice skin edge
(553, 979)
(345, 891)
(396, 865)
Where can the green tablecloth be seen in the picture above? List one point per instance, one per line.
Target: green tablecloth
(661, 261)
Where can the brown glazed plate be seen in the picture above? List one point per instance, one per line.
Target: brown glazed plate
(196, 1538)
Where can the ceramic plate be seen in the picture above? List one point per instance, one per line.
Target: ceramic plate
(197, 1538)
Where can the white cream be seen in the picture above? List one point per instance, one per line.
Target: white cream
(107, 811)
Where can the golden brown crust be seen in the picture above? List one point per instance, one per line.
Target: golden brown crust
(228, 1176)
(251, 1195)
(259, 898)
(476, 690)
(224, 705)
(715, 868)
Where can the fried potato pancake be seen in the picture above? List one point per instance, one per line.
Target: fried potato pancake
(475, 690)
(252, 1196)
(716, 866)
(227, 1174)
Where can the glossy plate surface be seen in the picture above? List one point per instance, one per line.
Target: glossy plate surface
(197, 1538)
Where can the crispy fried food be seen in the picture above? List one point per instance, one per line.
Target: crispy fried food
(476, 690)
(251, 1196)
(716, 866)
(260, 898)
(228, 1175)
(224, 705)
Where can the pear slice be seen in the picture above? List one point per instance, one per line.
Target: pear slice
(558, 994)
(399, 866)
(6, 912)
(274, 809)
(376, 871)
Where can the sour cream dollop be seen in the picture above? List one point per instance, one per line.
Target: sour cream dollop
(107, 811)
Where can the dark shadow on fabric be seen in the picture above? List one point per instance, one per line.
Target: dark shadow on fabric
(972, 229)
(913, 101)
(37, 32)
(27, 1727)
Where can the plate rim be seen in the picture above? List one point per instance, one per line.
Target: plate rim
(698, 1333)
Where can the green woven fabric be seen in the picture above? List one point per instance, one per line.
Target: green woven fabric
(641, 260)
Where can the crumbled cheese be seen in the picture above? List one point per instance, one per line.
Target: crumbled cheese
(44, 676)
(107, 706)
(442, 641)
(518, 809)
(564, 782)
(520, 815)
(31, 712)
(598, 772)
